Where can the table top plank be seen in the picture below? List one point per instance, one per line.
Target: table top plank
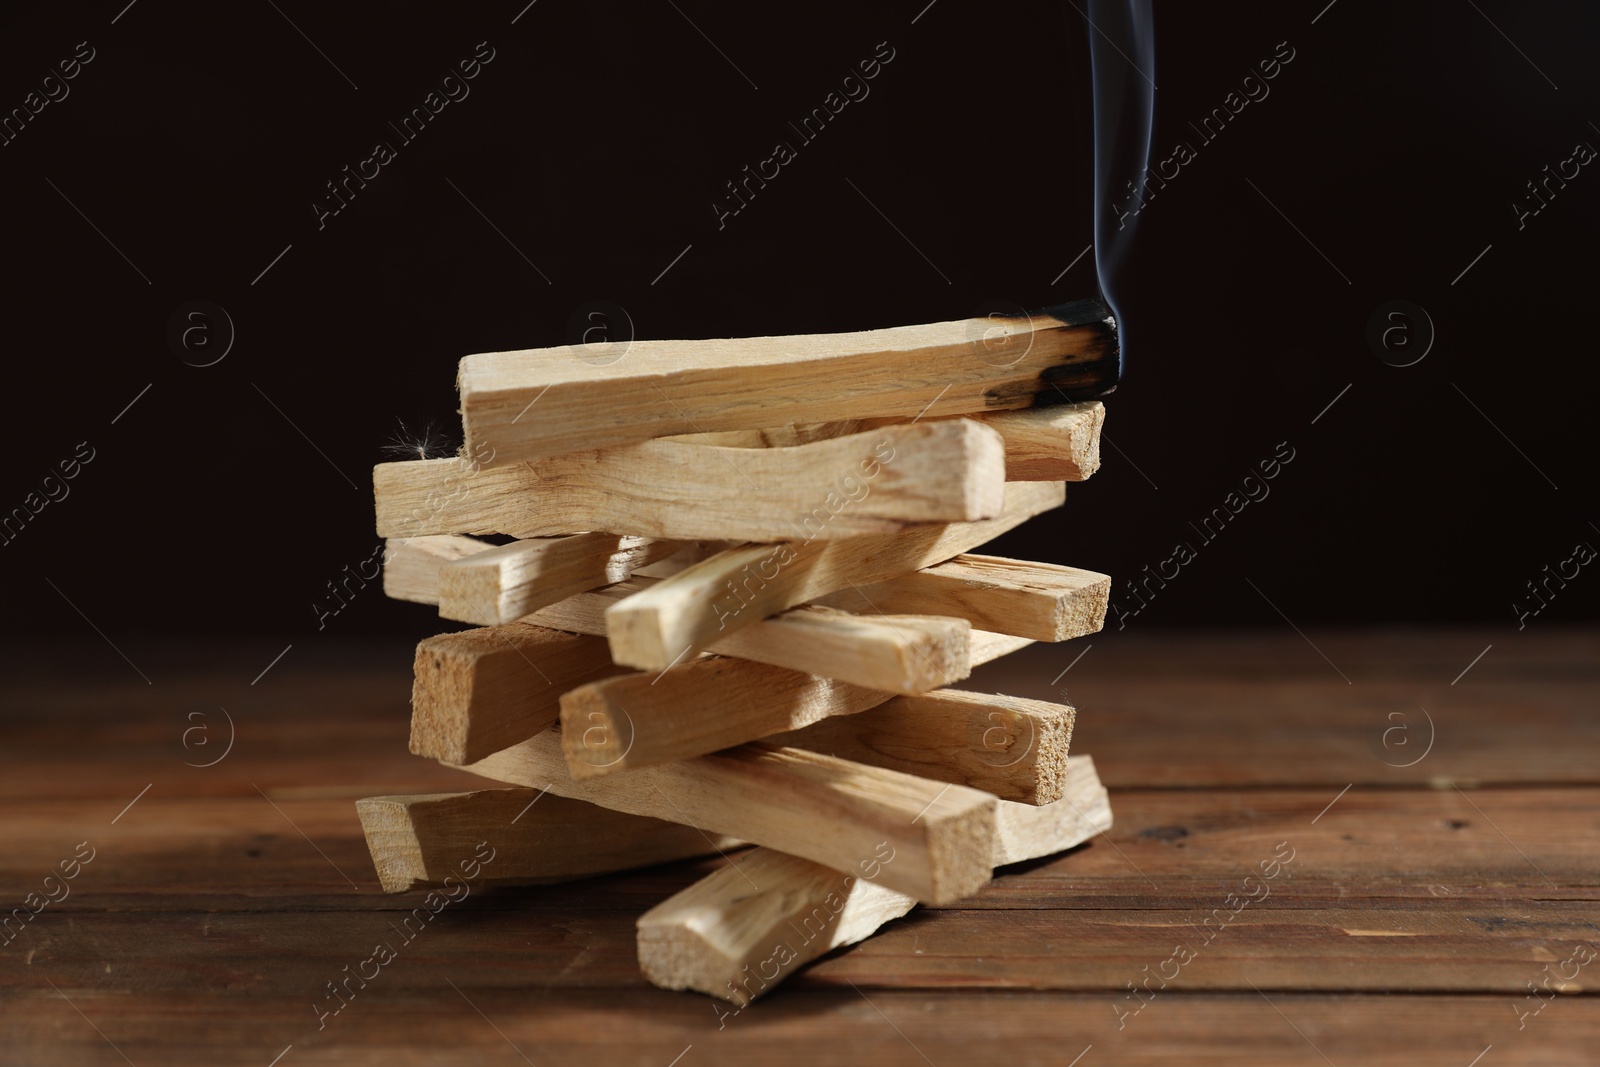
(806, 1026)
(1421, 901)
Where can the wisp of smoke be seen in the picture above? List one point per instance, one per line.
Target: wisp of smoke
(1122, 56)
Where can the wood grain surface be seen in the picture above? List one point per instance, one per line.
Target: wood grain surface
(679, 387)
(874, 482)
(1430, 914)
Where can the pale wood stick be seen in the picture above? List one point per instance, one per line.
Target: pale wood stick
(1043, 444)
(477, 691)
(1048, 444)
(412, 570)
(736, 944)
(636, 720)
(720, 937)
(1013, 747)
(654, 628)
(505, 583)
(1039, 600)
(678, 387)
(897, 653)
(833, 811)
(1051, 444)
(514, 837)
(1028, 831)
(411, 564)
(877, 482)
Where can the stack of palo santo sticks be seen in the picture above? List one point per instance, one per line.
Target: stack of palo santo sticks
(729, 584)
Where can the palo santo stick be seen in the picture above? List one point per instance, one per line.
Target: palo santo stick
(736, 943)
(505, 583)
(477, 691)
(1044, 444)
(1053, 444)
(1010, 746)
(1028, 831)
(679, 387)
(896, 653)
(832, 811)
(411, 564)
(652, 629)
(636, 720)
(878, 482)
(1039, 600)
(514, 837)
(719, 937)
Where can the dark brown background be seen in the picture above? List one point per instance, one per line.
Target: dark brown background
(1395, 141)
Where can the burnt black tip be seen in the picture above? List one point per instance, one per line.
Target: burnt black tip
(1081, 313)
(1079, 381)
(1087, 379)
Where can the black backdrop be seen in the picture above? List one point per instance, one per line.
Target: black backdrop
(183, 161)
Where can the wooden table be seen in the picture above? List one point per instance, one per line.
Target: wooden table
(1444, 826)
